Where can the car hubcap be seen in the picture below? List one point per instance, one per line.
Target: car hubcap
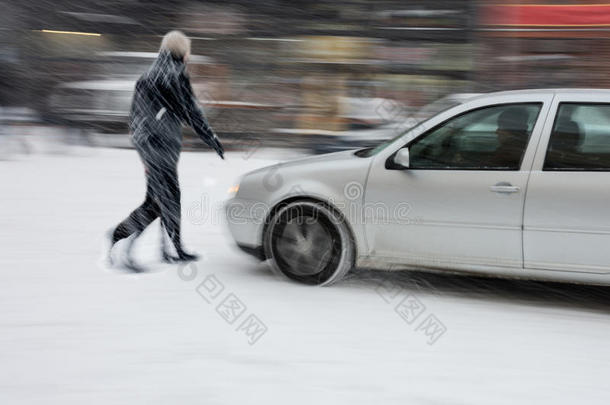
(305, 246)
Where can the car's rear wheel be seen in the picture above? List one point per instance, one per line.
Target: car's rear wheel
(310, 243)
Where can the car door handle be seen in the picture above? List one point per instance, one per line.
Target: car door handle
(504, 188)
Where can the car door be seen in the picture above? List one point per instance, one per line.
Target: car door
(460, 203)
(567, 212)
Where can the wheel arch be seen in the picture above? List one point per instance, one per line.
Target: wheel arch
(316, 200)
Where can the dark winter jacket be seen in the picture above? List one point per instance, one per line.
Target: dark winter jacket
(163, 101)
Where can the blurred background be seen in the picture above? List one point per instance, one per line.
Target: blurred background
(314, 75)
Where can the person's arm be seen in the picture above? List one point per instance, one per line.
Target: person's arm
(193, 115)
(132, 111)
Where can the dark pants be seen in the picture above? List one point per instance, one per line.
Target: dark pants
(162, 199)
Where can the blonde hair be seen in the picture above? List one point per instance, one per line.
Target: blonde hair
(177, 43)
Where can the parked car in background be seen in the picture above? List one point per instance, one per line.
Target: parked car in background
(97, 105)
(511, 184)
(101, 106)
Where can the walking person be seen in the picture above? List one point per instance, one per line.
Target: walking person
(163, 101)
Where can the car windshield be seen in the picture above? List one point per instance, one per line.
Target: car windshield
(367, 152)
(428, 112)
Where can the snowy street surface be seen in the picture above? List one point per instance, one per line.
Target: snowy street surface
(75, 332)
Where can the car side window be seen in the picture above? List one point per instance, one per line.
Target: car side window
(580, 140)
(489, 138)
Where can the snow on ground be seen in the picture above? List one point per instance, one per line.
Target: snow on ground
(72, 332)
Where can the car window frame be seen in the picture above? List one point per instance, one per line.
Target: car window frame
(548, 145)
(389, 164)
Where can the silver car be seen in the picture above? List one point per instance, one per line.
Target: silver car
(513, 184)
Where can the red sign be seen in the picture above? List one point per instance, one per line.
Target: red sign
(547, 15)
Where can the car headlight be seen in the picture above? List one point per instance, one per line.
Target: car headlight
(233, 190)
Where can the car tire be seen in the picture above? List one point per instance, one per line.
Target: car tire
(309, 242)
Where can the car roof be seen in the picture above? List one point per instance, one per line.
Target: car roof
(463, 96)
(549, 91)
(569, 92)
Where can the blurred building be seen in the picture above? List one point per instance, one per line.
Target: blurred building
(529, 44)
(288, 70)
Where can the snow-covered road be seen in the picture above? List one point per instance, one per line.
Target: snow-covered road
(72, 332)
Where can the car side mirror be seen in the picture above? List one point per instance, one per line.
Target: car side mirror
(401, 159)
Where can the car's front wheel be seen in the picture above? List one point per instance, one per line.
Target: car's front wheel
(309, 242)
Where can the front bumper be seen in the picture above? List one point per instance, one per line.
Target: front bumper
(245, 219)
